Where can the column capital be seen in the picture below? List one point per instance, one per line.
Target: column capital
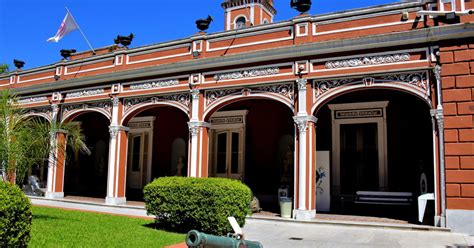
(301, 82)
(194, 93)
(439, 116)
(437, 72)
(55, 107)
(115, 101)
(302, 121)
(114, 130)
(195, 125)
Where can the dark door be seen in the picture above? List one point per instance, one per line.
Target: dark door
(359, 157)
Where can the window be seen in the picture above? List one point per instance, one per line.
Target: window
(265, 21)
(240, 22)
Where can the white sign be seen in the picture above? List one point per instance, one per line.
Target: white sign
(323, 192)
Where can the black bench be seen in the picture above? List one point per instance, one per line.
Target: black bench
(384, 198)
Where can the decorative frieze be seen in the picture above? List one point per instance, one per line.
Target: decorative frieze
(183, 99)
(260, 72)
(43, 111)
(84, 93)
(416, 79)
(104, 106)
(154, 84)
(364, 61)
(214, 95)
(286, 90)
(32, 100)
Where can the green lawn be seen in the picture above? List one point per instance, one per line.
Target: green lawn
(62, 228)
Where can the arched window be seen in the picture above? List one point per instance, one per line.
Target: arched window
(265, 21)
(240, 22)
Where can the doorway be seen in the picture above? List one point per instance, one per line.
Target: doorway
(360, 148)
(359, 157)
(140, 143)
(227, 134)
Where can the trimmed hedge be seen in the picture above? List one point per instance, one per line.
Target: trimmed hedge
(182, 203)
(15, 216)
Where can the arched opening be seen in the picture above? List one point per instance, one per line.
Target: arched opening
(39, 171)
(253, 140)
(379, 151)
(157, 146)
(240, 22)
(86, 175)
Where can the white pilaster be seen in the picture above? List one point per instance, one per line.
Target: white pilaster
(114, 154)
(196, 147)
(51, 183)
(302, 120)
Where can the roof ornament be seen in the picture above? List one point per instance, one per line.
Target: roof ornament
(18, 63)
(203, 24)
(301, 5)
(66, 53)
(124, 40)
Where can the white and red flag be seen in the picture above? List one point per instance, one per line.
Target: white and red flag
(68, 25)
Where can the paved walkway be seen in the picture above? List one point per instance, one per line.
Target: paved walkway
(293, 234)
(287, 234)
(127, 210)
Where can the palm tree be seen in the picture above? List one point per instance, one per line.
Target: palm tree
(3, 68)
(25, 142)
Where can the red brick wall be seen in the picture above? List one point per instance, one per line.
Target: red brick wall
(458, 100)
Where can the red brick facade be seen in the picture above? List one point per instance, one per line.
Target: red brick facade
(458, 87)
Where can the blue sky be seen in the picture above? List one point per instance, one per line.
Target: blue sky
(25, 25)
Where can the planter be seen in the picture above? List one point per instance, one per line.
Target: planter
(286, 205)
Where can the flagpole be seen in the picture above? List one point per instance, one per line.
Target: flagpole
(80, 30)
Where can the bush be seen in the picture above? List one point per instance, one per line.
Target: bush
(15, 216)
(182, 204)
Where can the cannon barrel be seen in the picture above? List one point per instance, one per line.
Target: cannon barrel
(199, 239)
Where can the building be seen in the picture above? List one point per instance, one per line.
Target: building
(378, 99)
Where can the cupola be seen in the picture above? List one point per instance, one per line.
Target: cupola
(246, 13)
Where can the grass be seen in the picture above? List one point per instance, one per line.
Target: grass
(64, 228)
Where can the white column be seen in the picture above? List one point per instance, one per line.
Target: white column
(113, 197)
(196, 137)
(51, 183)
(302, 119)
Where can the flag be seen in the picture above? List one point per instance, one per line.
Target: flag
(68, 25)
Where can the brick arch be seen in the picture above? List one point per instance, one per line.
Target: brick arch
(135, 110)
(220, 103)
(334, 93)
(41, 115)
(71, 115)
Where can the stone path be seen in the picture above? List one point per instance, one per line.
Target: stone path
(286, 234)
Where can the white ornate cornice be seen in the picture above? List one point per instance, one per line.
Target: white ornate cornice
(154, 84)
(84, 93)
(260, 72)
(32, 99)
(363, 61)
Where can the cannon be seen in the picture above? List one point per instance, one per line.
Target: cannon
(196, 239)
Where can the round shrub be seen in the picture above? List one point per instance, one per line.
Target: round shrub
(15, 216)
(182, 203)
